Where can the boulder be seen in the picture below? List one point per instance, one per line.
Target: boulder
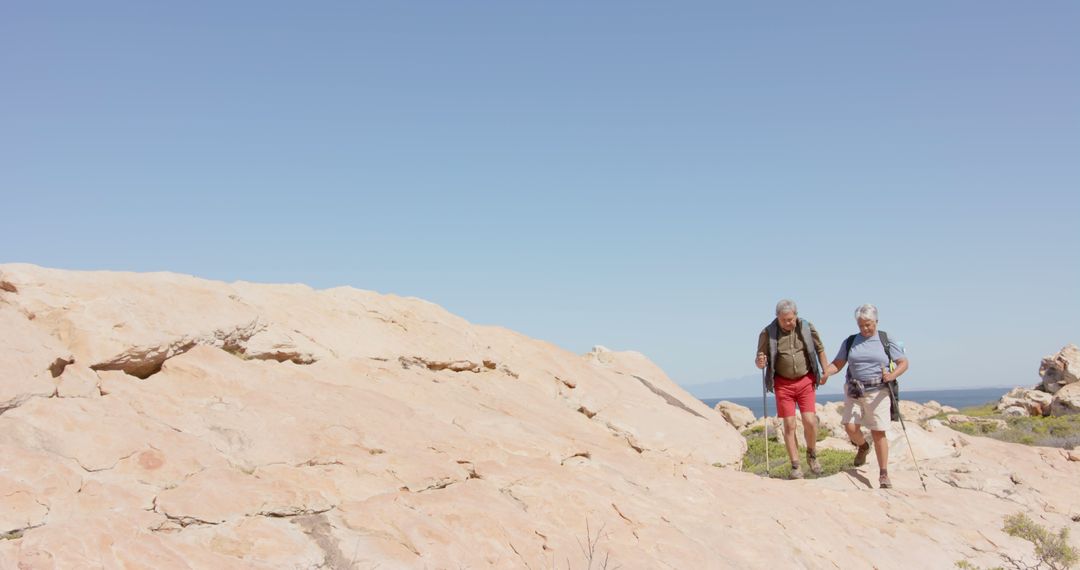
(992, 423)
(828, 420)
(1032, 402)
(916, 412)
(1061, 369)
(738, 416)
(939, 408)
(163, 421)
(1015, 411)
(829, 416)
(1066, 401)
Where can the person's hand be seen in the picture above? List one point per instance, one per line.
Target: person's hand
(760, 360)
(887, 376)
(824, 377)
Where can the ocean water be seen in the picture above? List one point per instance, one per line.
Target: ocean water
(954, 398)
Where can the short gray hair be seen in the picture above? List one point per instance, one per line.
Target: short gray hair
(786, 306)
(866, 311)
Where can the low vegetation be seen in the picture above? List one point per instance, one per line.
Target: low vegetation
(832, 461)
(1052, 549)
(1050, 431)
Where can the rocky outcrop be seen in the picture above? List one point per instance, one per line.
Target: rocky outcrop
(1067, 401)
(1058, 372)
(987, 424)
(915, 412)
(740, 417)
(1025, 402)
(1061, 369)
(163, 421)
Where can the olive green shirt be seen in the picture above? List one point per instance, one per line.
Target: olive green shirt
(792, 358)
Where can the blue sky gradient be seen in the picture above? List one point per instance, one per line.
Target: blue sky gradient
(647, 176)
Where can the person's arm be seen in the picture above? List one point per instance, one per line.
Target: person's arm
(901, 367)
(762, 348)
(838, 363)
(824, 367)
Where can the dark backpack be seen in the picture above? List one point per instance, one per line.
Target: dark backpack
(894, 388)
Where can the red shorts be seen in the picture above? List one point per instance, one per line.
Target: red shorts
(790, 392)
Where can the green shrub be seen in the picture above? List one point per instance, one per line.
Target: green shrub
(832, 461)
(983, 411)
(1052, 550)
(1052, 431)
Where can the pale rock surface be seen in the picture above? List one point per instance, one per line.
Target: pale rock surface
(738, 416)
(163, 421)
(939, 409)
(915, 412)
(77, 381)
(1030, 402)
(993, 423)
(830, 415)
(32, 358)
(1067, 401)
(1015, 411)
(1061, 369)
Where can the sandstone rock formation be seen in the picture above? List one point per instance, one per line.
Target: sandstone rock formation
(740, 417)
(1025, 402)
(1056, 394)
(1067, 401)
(1058, 370)
(163, 421)
(989, 423)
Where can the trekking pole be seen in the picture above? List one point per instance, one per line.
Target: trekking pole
(765, 412)
(908, 440)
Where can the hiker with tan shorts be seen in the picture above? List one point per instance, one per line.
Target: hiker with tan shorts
(875, 362)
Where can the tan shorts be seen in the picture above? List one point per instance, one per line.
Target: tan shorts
(870, 411)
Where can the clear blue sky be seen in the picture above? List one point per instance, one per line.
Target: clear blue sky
(643, 175)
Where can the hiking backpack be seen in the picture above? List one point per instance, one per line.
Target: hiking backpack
(894, 388)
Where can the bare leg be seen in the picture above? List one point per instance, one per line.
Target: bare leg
(810, 423)
(854, 432)
(790, 441)
(881, 449)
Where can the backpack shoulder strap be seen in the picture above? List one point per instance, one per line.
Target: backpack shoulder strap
(773, 330)
(847, 346)
(847, 352)
(884, 338)
(807, 333)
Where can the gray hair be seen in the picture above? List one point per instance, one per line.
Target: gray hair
(786, 306)
(866, 311)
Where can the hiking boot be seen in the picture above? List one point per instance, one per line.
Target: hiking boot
(811, 460)
(883, 481)
(860, 455)
(796, 472)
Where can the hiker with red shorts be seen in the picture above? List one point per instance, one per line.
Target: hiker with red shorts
(791, 352)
